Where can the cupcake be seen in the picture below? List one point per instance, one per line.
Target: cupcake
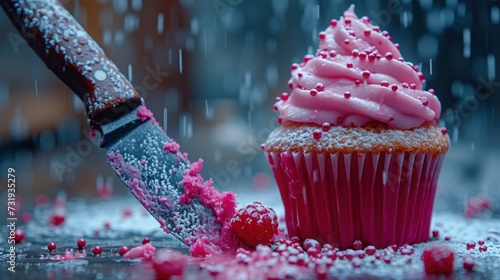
(358, 150)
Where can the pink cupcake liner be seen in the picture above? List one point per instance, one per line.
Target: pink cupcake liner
(379, 199)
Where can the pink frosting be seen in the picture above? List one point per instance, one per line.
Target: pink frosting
(358, 76)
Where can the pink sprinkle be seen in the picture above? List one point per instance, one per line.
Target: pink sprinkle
(145, 252)
(171, 147)
(144, 114)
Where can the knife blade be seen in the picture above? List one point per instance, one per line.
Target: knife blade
(141, 154)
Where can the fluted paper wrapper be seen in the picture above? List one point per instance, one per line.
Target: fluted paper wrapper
(379, 199)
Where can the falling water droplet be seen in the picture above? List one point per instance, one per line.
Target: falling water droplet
(430, 66)
(217, 155)
(165, 115)
(466, 41)
(159, 23)
(455, 134)
(195, 26)
(209, 112)
(491, 67)
(495, 14)
(205, 42)
(136, 5)
(120, 6)
(180, 61)
(130, 72)
(316, 11)
(4, 93)
(186, 125)
(272, 75)
(36, 88)
(18, 125)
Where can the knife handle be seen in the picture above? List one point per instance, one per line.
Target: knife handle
(68, 50)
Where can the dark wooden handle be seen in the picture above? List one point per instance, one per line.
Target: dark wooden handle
(68, 50)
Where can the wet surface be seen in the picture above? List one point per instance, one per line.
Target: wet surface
(117, 222)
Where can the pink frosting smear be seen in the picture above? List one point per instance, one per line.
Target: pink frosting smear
(357, 76)
(145, 252)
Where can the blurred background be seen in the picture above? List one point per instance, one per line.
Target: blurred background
(226, 62)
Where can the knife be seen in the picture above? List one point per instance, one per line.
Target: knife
(138, 150)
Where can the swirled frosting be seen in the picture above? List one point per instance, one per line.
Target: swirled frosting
(357, 76)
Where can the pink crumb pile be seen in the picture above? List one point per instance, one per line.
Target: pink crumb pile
(144, 114)
(223, 206)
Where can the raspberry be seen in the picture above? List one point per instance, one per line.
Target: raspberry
(438, 259)
(255, 224)
(146, 240)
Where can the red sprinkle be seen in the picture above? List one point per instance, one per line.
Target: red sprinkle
(367, 32)
(366, 74)
(447, 238)
(332, 53)
(81, 243)
(19, 236)
(320, 87)
(424, 100)
(370, 250)
(294, 66)
(346, 42)
(389, 56)
(313, 92)
(483, 248)
(468, 263)
(421, 76)
(355, 53)
(97, 250)
(307, 58)
(438, 259)
(146, 240)
(371, 57)
(123, 250)
(357, 245)
(326, 126)
(347, 94)
(333, 22)
(51, 246)
(322, 35)
(471, 245)
(413, 86)
(317, 134)
(480, 242)
(284, 96)
(435, 233)
(362, 55)
(394, 87)
(349, 65)
(347, 21)
(384, 83)
(431, 91)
